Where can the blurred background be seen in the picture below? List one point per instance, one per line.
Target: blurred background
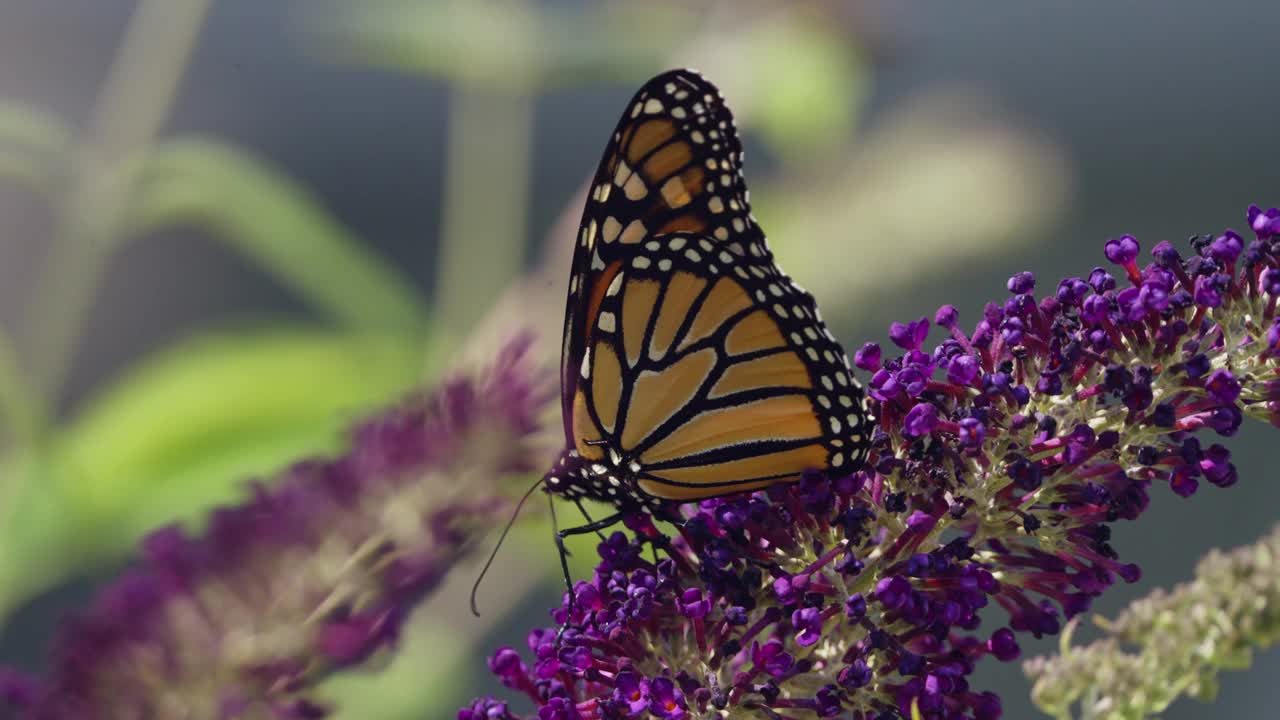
(228, 228)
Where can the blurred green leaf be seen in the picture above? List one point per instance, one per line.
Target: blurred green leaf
(276, 225)
(190, 425)
(33, 146)
(813, 85)
(186, 430)
(505, 46)
(996, 185)
(21, 412)
(34, 530)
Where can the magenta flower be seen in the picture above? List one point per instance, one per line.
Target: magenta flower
(1003, 456)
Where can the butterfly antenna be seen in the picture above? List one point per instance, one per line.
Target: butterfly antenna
(514, 514)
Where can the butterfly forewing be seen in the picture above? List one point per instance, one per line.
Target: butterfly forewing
(692, 366)
(673, 164)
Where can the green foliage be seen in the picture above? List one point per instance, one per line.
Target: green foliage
(19, 423)
(33, 153)
(511, 47)
(812, 86)
(184, 428)
(274, 224)
(33, 146)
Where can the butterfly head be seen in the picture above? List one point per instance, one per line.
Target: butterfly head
(610, 479)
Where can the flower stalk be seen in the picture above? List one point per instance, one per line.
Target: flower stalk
(1002, 457)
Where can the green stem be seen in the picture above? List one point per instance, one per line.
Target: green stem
(485, 204)
(133, 105)
(20, 413)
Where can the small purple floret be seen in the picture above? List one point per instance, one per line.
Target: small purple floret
(911, 335)
(1122, 250)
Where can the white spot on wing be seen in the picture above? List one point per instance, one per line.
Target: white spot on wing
(611, 229)
(615, 285)
(634, 233)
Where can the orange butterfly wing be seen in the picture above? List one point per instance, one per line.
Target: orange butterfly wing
(692, 366)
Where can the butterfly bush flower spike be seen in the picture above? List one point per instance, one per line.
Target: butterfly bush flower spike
(314, 573)
(1003, 455)
(1171, 643)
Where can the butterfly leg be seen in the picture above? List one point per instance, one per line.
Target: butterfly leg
(583, 510)
(662, 542)
(594, 526)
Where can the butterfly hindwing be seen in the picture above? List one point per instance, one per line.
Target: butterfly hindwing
(706, 373)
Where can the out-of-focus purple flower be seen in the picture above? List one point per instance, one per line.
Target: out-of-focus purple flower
(306, 576)
(1000, 460)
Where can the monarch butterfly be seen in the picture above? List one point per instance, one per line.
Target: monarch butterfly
(691, 366)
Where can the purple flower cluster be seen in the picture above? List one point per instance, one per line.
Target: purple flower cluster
(315, 572)
(1001, 458)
